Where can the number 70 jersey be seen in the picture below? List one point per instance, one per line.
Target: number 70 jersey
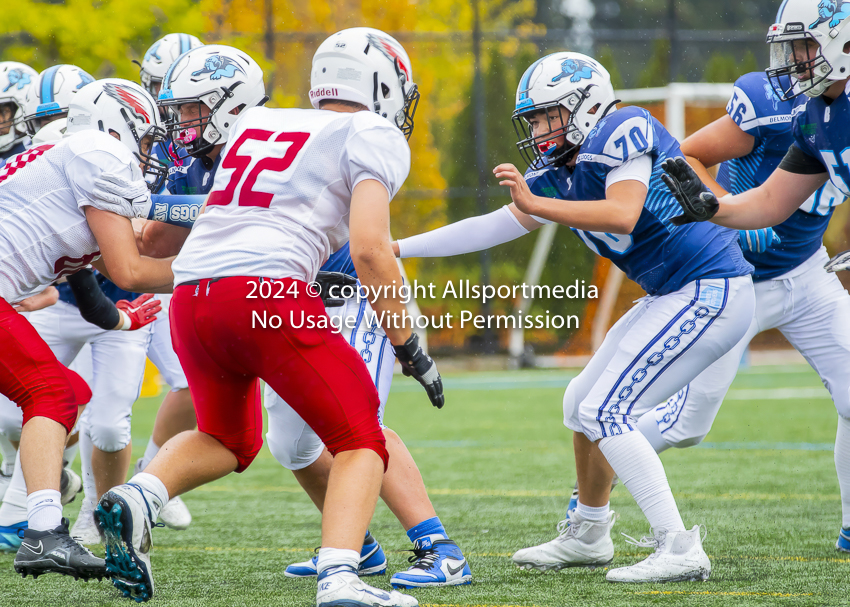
(281, 199)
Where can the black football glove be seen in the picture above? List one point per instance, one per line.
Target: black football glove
(838, 263)
(697, 202)
(337, 280)
(418, 365)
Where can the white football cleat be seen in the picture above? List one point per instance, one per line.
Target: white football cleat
(5, 479)
(175, 514)
(678, 557)
(84, 529)
(346, 589)
(70, 485)
(580, 543)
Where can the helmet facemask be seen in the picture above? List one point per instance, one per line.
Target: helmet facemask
(154, 170)
(541, 150)
(404, 117)
(798, 67)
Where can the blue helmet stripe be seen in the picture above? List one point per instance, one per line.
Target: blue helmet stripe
(523, 83)
(185, 45)
(48, 78)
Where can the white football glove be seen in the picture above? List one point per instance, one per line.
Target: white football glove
(121, 196)
(838, 263)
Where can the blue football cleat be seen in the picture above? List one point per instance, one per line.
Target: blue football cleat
(842, 545)
(373, 561)
(440, 563)
(10, 539)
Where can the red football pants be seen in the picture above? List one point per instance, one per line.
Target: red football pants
(225, 352)
(32, 377)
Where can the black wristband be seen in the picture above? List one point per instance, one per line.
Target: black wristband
(95, 307)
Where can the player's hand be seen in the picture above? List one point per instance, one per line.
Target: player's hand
(39, 301)
(331, 284)
(418, 365)
(142, 311)
(121, 196)
(758, 241)
(520, 192)
(697, 202)
(838, 263)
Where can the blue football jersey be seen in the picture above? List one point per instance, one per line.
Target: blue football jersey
(657, 255)
(340, 262)
(191, 176)
(170, 154)
(758, 111)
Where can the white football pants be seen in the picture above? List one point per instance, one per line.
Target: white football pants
(161, 351)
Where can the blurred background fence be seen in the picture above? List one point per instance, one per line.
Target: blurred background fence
(467, 58)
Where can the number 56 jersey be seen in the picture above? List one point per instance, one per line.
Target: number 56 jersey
(281, 199)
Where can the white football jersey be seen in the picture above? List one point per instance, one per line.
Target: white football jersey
(280, 202)
(43, 228)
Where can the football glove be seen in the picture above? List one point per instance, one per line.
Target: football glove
(758, 241)
(838, 263)
(122, 197)
(141, 311)
(330, 285)
(418, 365)
(696, 201)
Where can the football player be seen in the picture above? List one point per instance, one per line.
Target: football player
(269, 223)
(54, 228)
(47, 102)
(597, 169)
(15, 80)
(808, 56)
(159, 57)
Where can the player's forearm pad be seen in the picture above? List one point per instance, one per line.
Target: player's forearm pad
(467, 236)
(95, 307)
(176, 210)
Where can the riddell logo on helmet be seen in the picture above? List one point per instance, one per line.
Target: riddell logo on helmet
(324, 92)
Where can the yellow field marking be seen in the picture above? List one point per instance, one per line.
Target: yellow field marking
(719, 593)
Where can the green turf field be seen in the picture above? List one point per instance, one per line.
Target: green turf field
(498, 463)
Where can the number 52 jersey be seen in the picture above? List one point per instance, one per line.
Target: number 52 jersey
(281, 199)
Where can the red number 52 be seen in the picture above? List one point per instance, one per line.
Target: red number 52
(240, 162)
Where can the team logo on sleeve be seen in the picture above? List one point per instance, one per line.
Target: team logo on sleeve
(129, 99)
(576, 70)
(17, 78)
(834, 11)
(389, 51)
(770, 95)
(218, 67)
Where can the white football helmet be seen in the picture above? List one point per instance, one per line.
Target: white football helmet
(49, 98)
(159, 58)
(579, 87)
(15, 80)
(124, 108)
(797, 23)
(219, 77)
(369, 67)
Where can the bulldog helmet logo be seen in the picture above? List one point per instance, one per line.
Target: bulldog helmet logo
(575, 70)
(218, 67)
(18, 79)
(834, 11)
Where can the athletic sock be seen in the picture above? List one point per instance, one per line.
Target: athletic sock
(590, 513)
(333, 561)
(842, 467)
(154, 492)
(431, 528)
(86, 449)
(14, 507)
(44, 509)
(150, 452)
(639, 468)
(649, 428)
(70, 454)
(8, 452)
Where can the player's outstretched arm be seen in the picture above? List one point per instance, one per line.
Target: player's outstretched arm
(120, 258)
(369, 225)
(159, 240)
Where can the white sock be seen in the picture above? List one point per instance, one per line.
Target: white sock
(842, 467)
(156, 493)
(150, 452)
(337, 560)
(14, 507)
(649, 428)
(86, 450)
(590, 513)
(44, 509)
(70, 454)
(8, 452)
(639, 468)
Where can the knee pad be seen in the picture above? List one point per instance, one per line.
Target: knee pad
(687, 442)
(571, 418)
(109, 437)
(295, 452)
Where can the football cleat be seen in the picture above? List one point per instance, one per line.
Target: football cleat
(580, 543)
(440, 563)
(842, 545)
(54, 551)
(11, 537)
(345, 589)
(5, 478)
(175, 514)
(69, 486)
(678, 557)
(84, 529)
(124, 517)
(373, 561)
